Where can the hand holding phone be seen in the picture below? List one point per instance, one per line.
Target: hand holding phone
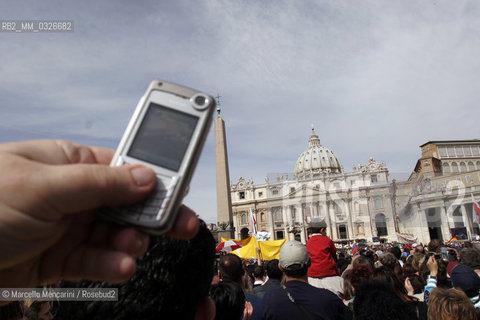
(166, 133)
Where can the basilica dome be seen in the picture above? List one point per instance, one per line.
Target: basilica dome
(316, 160)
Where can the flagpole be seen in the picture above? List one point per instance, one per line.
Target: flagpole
(254, 233)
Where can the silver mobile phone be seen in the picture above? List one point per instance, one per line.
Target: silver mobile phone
(166, 133)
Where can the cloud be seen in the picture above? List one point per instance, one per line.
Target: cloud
(375, 78)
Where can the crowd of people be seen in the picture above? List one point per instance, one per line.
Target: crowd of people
(50, 235)
(388, 281)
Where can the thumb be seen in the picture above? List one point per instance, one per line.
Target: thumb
(79, 187)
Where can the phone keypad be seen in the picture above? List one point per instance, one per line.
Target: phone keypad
(152, 205)
(146, 210)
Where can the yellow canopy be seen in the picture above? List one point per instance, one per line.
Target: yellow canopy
(269, 250)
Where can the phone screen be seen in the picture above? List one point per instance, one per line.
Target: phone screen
(163, 137)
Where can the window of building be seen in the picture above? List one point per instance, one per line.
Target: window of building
(373, 178)
(260, 194)
(293, 212)
(463, 166)
(467, 151)
(378, 203)
(451, 151)
(342, 231)
(471, 166)
(442, 151)
(279, 235)
(381, 225)
(454, 167)
(446, 167)
(356, 206)
(244, 219)
(338, 207)
(475, 151)
(275, 192)
(478, 165)
(360, 228)
(262, 217)
(314, 212)
(292, 190)
(277, 215)
(459, 151)
(241, 195)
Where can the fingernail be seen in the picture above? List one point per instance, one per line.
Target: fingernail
(142, 176)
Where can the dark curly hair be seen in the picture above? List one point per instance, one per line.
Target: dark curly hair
(229, 300)
(470, 257)
(359, 274)
(172, 278)
(273, 271)
(376, 300)
(396, 283)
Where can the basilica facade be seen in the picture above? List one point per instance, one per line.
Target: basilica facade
(365, 204)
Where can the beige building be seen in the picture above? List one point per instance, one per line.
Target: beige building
(436, 201)
(365, 204)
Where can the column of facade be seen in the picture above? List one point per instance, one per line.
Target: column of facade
(285, 221)
(271, 223)
(333, 220)
(422, 223)
(327, 219)
(445, 224)
(447, 219)
(351, 231)
(392, 233)
(372, 227)
(302, 224)
(235, 226)
(467, 223)
(314, 210)
(289, 222)
(293, 210)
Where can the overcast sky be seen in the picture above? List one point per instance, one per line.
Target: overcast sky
(375, 78)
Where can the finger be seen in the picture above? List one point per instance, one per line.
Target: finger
(58, 152)
(23, 236)
(186, 224)
(74, 188)
(99, 265)
(128, 240)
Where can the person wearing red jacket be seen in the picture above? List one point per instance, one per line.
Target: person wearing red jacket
(323, 272)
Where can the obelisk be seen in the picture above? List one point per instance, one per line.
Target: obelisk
(224, 201)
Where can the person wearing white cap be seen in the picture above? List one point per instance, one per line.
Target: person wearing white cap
(297, 299)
